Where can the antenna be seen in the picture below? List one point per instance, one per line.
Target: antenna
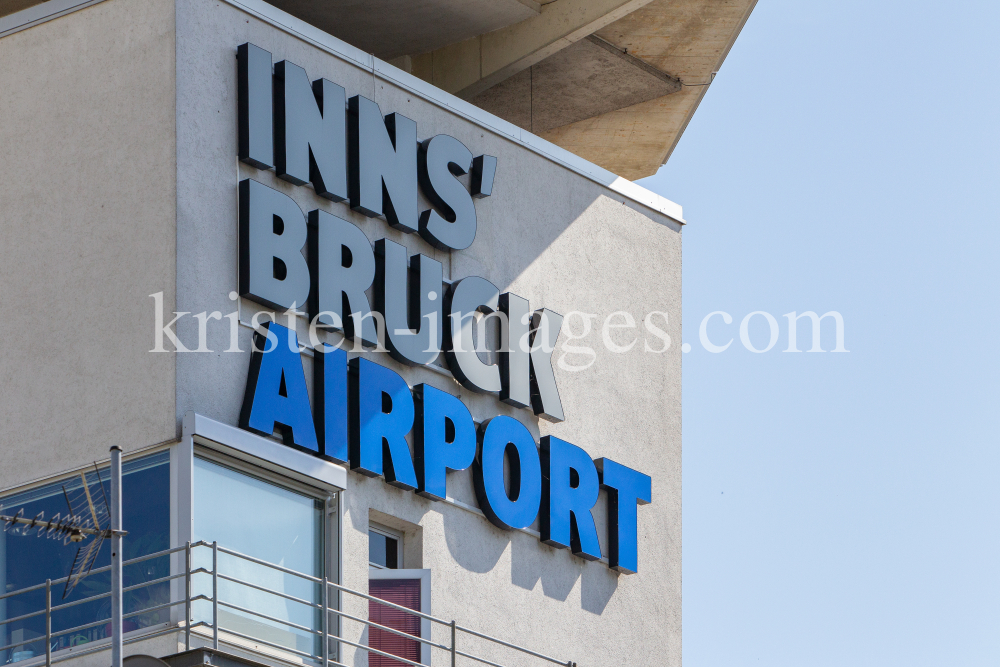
(82, 520)
(98, 519)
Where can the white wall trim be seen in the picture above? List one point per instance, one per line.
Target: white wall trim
(291, 462)
(382, 70)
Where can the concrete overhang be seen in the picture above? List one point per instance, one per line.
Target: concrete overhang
(625, 112)
(11, 6)
(690, 39)
(586, 79)
(392, 28)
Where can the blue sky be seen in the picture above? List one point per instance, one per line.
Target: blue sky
(844, 508)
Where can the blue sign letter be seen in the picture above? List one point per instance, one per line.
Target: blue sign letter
(498, 437)
(276, 389)
(444, 439)
(381, 414)
(569, 489)
(626, 488)
(330, 387)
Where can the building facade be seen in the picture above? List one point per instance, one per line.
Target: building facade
(353, 333)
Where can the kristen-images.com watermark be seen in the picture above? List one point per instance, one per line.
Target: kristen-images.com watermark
(581, 334)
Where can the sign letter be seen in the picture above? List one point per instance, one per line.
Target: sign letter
(381, 414)
(444, 439)
(272, 233)
(276, 393)
(626, 488)
(383, 159)
(569, 489)
(499, 438)
(256, 139)
(310, 129)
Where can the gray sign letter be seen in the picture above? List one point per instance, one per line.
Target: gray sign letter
(465, 297)
(272, 232)
(383, 159)
(409, 299)
(342, 265)
(310, 131)
(544, 393)
(441, 159)
(256, 145)
(514, 359)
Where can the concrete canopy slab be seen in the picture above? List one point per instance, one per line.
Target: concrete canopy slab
(586, 79)
(393, 28)
(613, 126)
(688, 38)
(11, 6)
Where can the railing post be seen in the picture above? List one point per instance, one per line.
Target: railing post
(48, 623)
(324, 624)
(454, 648)
(215, 595)
(187, 597)
(116, 557)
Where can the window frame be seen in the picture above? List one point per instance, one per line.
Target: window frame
(103, 465)
(243, 467)
(325, 500)
(394, 534)
(271, 461)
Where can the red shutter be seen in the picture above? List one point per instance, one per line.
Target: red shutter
(406, 593)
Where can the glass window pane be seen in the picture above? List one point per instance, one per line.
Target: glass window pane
(268, 522)
(391, 553)
(383, 550)
(26, 560)
(376, 548)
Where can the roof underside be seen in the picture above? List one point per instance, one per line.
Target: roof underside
(689, 39)
(616, 87)
(393, 28)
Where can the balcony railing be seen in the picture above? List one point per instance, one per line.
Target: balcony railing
(328, 637)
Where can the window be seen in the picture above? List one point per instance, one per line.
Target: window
(406, 588)
(269, 522)
(26, 560)
(385, 548)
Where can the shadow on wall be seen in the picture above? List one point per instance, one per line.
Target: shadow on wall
(557, 570)
(401, 512)
(597, 587)
(480, 555)
(531, 562)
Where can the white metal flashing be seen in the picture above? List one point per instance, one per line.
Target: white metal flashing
(282, 20)
(210, 432)
(46, 11)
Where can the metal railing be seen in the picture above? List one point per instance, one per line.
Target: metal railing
(188, 623)
(50, 609)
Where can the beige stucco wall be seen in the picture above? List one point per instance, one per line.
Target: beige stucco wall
(548, 234)
(87, 233)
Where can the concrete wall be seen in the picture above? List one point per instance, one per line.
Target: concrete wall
(88, 233)
(548, 234)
